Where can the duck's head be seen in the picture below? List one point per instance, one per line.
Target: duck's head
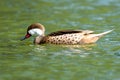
(34, 29)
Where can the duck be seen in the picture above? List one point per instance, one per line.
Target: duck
(67, 37)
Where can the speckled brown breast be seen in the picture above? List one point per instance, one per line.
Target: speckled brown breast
(65, 39)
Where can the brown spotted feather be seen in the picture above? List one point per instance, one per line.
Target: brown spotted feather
(65, 36)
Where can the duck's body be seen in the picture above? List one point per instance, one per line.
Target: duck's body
(70, 37)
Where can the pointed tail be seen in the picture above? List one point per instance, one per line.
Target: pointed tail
(104, 33)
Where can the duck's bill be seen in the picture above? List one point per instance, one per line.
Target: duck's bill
(26, 36)
(23, 38)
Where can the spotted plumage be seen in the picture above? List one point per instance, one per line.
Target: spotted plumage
(70, 37)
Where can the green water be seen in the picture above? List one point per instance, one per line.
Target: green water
(22, 60)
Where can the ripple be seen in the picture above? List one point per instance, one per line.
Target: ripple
(117, 53)
(71, 52)
(105, 2)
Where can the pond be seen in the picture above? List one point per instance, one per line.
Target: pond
(22, 60)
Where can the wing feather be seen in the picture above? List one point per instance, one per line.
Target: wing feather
(62, 32)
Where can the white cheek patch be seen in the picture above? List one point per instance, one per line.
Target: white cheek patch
(35, 32)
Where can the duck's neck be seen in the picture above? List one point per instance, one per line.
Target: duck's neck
(38, 39)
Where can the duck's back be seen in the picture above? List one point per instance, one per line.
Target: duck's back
(66, 37)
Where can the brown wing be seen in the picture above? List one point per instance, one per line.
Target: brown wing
(62, 32)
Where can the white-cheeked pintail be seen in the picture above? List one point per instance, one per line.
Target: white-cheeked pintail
(70, 37)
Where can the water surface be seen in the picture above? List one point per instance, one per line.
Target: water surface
(26, 61)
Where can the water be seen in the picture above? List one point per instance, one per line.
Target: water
(22, 60)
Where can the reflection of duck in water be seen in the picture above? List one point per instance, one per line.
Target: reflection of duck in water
(69, 37)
